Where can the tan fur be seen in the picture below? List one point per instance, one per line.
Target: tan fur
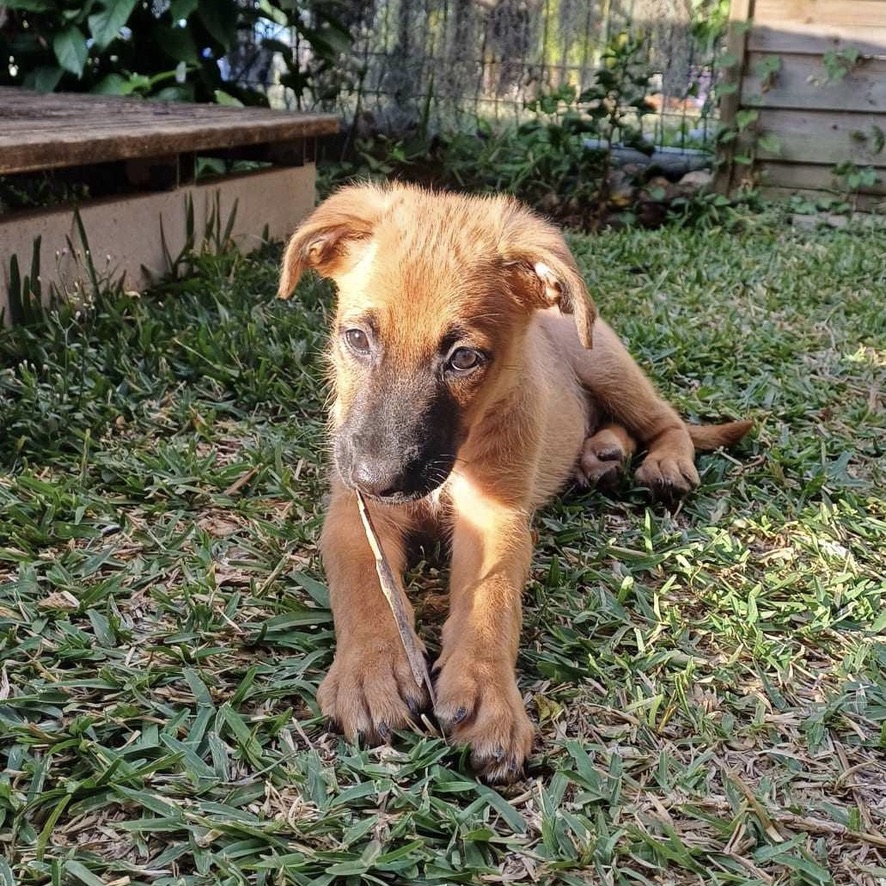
(562, 395)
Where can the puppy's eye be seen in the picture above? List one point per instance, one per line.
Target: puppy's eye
(463, 360)
(358, 341)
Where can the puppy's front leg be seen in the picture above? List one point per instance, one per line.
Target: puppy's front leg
(370, 689)
(478, 702)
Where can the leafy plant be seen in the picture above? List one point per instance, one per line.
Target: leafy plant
(746, 137)
(839, 62)
(45, 189)
(706, 210)
(610, 111)
(559, 162)
(853, 178)
(707, 21)
(169, 50)
(767, 70)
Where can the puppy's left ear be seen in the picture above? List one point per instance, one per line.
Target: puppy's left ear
(549, 275)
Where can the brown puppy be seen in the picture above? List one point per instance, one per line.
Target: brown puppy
(464, 399)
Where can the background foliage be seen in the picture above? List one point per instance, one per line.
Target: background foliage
(167, 49)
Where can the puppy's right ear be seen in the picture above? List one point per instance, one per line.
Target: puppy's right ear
(329, 237)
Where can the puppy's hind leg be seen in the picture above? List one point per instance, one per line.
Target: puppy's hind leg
(603, 457)
(624, 393)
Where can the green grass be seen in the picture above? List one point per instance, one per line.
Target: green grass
(708, 684)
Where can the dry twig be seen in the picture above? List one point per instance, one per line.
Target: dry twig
(394, 595)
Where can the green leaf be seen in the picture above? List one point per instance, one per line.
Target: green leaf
(355, 792)
(273, 13)
(247, 741)
(744, 118)
(7, 878)
(183, 93)
(50, 824)
(225, 98)
(198, 688)
(113, 84)
(82, 873)
(318, 591)
(101, 627)
(177, 43)
(220, 19)
(30, 5)
(43, 78)
(195, 766)
(769, 142)
(70, 49)
(409, 848)
(353, 868)
(768, 65)
(181, 9)
(105, 25)
(150, 801)
(503, 808)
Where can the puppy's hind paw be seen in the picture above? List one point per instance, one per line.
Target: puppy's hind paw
(602, 461)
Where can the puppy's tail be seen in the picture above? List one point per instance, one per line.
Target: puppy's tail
(708, 437)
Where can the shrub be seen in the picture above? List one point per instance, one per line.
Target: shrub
(168, 49)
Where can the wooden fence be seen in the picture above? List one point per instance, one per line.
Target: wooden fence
(809, 100)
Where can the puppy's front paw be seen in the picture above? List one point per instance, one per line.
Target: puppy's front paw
(668, 476)
(480, 705)
(370, 691)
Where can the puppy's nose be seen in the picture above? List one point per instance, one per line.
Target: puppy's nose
(378, 478)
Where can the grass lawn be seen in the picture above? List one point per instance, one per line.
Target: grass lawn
(708, 684)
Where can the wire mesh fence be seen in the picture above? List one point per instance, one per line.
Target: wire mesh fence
(442, 64)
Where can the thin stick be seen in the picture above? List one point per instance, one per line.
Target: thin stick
(394, 595)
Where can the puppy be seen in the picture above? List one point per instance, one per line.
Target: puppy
(472, 380)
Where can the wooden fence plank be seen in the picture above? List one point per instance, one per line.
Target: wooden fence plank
(736, 41)
(802, 83)
(809, 177)
(872, 203)
(817, 39)
(831, 13)
(823, 136)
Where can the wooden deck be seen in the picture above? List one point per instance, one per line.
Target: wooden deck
(40, 132)
(137, 160)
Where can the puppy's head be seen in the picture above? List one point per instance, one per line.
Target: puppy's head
(435, 295)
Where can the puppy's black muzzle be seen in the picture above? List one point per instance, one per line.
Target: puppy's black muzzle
(398, 443)
(390, 477)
